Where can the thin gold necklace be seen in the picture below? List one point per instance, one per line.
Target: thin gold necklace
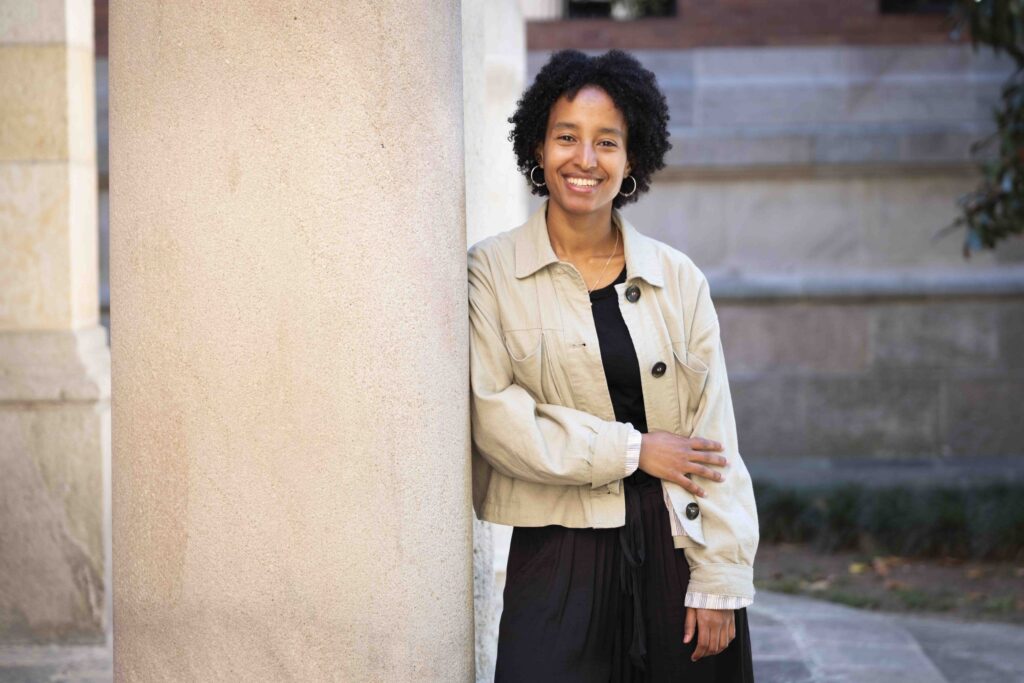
(608, 261)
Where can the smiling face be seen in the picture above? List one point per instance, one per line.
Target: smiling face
(584, 152)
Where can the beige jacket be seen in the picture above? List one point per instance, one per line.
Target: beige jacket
(546, 446)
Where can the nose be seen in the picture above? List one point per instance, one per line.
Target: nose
(586, 157)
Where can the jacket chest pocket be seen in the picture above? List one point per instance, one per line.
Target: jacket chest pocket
(692, 378)
(533, 354)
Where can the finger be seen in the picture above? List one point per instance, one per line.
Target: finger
(702, 444)
(716, 638)
(708, 457)
(691, 622)
(725, 637)
(728, 628)
(703, 638)
(687, 484)
(702, 471)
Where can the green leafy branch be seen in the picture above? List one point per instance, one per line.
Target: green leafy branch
(994, 211)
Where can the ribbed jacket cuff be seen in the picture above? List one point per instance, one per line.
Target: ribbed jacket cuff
(633, 444)
(722, 578)
(709, 601)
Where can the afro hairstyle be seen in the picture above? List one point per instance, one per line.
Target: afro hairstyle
(632, 88)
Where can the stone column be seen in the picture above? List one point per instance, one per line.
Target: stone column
(54, 360)
(494, 66)
(290, 342)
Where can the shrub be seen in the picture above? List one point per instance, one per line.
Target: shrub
(979, 522)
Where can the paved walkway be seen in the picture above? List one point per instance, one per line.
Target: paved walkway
(795, 640)
(798, 640)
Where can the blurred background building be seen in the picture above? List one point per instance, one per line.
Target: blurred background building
(817, 147)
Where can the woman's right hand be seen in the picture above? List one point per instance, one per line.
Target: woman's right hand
(670, 456)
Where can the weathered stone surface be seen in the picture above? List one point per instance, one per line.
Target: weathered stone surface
(62, 365)
(52, 567)
(795, 338)
(782, 225)
(1011, 334)
(902, 215)
(684, 215)
(946, 336)
(895, 414)
(983, 415)
(47, 21)
(54, 361)
(485, 611)
(771, 414)
(698, 149)
(493, 64)
(34, 102)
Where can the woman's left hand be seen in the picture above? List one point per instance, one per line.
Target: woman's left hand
(715, 630)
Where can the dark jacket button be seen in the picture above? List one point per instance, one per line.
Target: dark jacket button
(632, 294)
(659, 369)
(692, 511)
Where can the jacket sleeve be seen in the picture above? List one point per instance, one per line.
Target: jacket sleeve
(520, 437)
(723, 564)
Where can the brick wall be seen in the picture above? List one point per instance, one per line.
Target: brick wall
(708, 23)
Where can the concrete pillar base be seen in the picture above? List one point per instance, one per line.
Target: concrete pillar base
(54, 492)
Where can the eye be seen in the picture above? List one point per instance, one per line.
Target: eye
(566, 136)
(611, 143)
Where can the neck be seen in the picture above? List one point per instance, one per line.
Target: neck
(579, 236)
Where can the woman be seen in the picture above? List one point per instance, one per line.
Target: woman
(602, 421)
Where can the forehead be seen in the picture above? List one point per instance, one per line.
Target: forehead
(592, 107)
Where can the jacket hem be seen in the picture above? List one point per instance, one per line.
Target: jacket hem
(607, 512)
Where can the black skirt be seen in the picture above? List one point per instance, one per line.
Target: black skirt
(606, 605)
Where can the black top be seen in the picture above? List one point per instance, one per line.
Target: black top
(622, 371)
(621, 367)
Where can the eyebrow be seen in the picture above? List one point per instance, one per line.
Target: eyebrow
(573, 126)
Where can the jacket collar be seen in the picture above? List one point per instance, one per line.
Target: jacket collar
(533, 248)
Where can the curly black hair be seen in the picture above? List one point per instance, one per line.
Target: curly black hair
(635, 92)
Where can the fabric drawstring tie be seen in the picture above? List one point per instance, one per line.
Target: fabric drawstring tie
(631, 538)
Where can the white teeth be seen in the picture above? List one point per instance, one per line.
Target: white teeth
(583, 182)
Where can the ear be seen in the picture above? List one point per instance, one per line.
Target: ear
(539, 154)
